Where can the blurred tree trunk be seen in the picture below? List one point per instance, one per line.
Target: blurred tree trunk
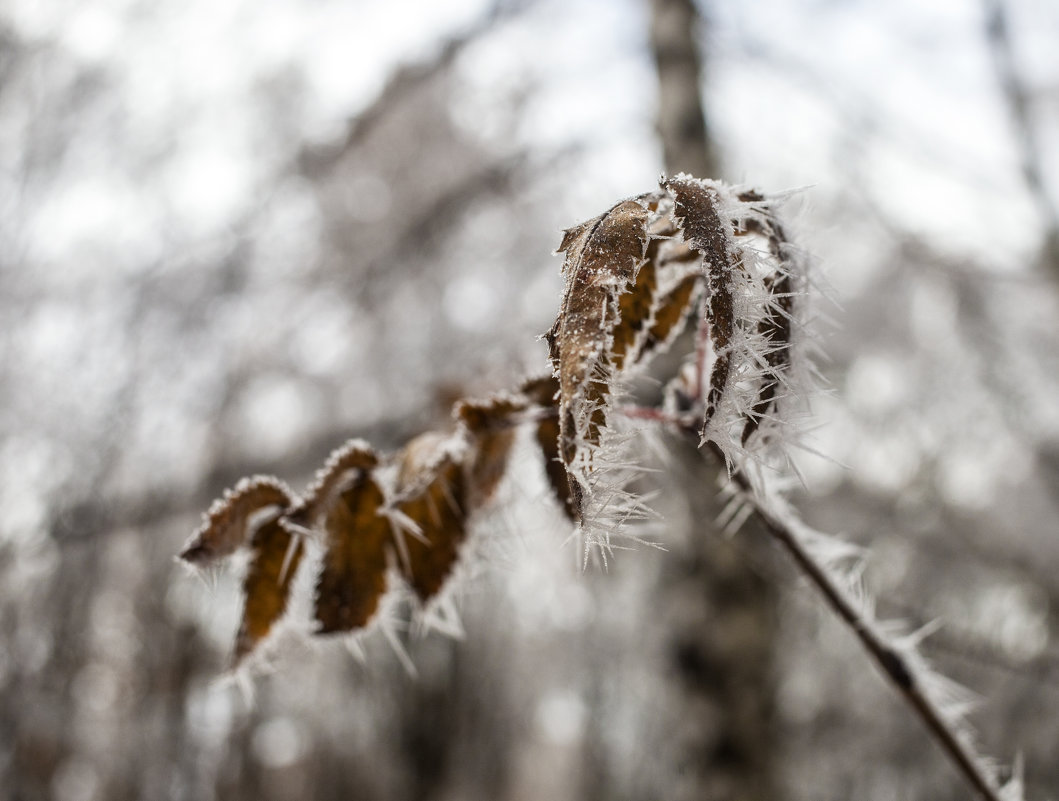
(718, 613)
(681, 118)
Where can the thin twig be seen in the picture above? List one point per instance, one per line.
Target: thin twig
(892, 663)
(1017, 98)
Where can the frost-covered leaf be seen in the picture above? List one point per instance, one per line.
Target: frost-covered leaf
(547, 436)
(634, 311)
(670, 315)
(603, 257)
(491, 425)
(775, 327)
(230, 519)
(432, 495)
(775, 330)
(353, 576)
(696, 212)
(276, 555)
(544, 393)
(342, 464)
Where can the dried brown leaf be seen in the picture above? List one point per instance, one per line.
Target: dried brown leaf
(775, 326)
(695, 209)
(228, 521)
(353, 576)
(432, 495)
(266, 587)
(491, 424)
(634, 311)
(670, 315)
(572, 235)
(438, 507)
(547, 435)
(603, 257)
(354, 455)
(544, 392)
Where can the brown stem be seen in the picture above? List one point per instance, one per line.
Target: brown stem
(893, 664)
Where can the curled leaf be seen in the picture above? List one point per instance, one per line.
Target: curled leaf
(670, 315)
(276, 555)
(231, 518)
(603, 258)
(342, 464)
(547, 435)
(353, 576)
(634, 311)
(544, 393)
(491, 424)
(775, 326)
(432, 491)
(695, 209)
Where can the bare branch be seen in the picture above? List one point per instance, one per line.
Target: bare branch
(894, 663)
(1016, 96)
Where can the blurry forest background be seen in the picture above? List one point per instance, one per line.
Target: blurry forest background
(234, 234)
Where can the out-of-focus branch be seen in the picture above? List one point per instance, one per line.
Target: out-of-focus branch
(84, 520)
(1041, 670)
(318, 160)
(998, 36)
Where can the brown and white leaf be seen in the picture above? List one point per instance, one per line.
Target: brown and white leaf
(696, 212)
(634, 310)
(491, 425)
(543, 392)
(353, 576)
(433, 491)
(229, 520)
(342, 464)
(275, 556)
(775, 328)
(670, 316)
(603, 257)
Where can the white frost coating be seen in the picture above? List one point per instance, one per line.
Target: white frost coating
(248, 520)
(835, 566)
(760, 359)
(840, 563)
(752, 355)
(328, 483)
(613, 518)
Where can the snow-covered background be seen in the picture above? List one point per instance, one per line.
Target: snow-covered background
(234, 234)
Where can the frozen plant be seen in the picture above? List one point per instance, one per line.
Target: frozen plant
(372, 526)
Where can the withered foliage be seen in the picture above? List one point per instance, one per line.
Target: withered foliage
(490, 424)
(276, 555)
(776, 324)
(603, 258)
(634, 277)
(432, 494)
(353, 575)
(228, 522)
(696, 212)
(669, 315)
(634, 309)
(544, 392)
